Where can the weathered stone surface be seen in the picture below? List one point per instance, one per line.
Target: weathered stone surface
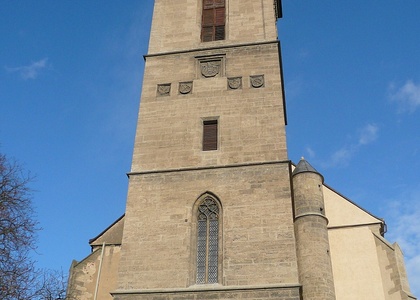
(251, 121)
(280, 293)
(312, 244)
(257, 242)
(274, 241)
(176, 24)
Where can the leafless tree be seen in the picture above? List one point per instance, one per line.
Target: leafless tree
(51, 285)
(17, 231)
(19, 277)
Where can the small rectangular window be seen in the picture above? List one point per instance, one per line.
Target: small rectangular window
(210, 135)
(213, 20)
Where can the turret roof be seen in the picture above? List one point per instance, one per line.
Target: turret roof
(303, 166)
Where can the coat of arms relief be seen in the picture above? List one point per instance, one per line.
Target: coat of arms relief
(210, 68)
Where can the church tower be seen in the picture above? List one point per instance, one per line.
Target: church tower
(214, 210)
(209, 211)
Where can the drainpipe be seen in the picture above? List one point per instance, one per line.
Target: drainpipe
(99, 271)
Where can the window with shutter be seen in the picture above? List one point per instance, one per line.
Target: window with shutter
(210, 135)
(213, 20)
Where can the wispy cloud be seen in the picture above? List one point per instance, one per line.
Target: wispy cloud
(30, 71)
(310, 152)
(368, 134)
(341, 157)
(407, 96)
(403, 218)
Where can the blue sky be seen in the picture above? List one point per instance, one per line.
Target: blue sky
(70, 82)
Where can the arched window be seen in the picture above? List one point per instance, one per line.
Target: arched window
(207, 241)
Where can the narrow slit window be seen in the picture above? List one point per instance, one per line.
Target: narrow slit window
(207, 241)
(213, 20)
(210, 132)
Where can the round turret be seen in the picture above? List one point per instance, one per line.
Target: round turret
(314, 262)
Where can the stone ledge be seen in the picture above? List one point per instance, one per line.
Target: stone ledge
(311, 214)
(209, 167)
(209, 288)
(211, 48)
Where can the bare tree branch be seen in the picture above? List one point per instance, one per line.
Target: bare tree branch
(19, 278)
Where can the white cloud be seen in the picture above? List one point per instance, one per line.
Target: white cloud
(368, 134)
(413, 270)
(403, 219)
(31, 71)
(310, 152)
(407, 96)
(342, 156)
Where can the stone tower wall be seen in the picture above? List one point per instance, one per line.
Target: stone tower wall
(273, 293)
(251, 120)
(238, 82)
(257, 246)
(176, 24)
(271, 235)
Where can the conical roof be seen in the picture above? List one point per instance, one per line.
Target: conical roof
(303, 166)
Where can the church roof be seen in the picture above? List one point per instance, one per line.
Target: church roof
(111, 235)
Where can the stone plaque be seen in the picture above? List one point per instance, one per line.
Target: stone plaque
(235, 83)
(164, 89)
(185, 87)
(257, 81)
(210, 68)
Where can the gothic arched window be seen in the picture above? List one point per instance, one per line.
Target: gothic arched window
(207, 241)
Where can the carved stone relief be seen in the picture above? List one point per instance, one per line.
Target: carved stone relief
(210, 66)
(235, 83)
(185, 87)
(257, 81)
(164, 89)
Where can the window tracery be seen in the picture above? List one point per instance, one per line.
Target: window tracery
(207, 241)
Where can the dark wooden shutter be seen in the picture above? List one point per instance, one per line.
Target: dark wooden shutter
(208, 4)
(219, 23)
(219, 3)
(219, 33)
(208, 17)
(213, 20)
(210, 135)
(219, 16)
(207, 34)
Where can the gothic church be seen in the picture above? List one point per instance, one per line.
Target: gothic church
(215, 208)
